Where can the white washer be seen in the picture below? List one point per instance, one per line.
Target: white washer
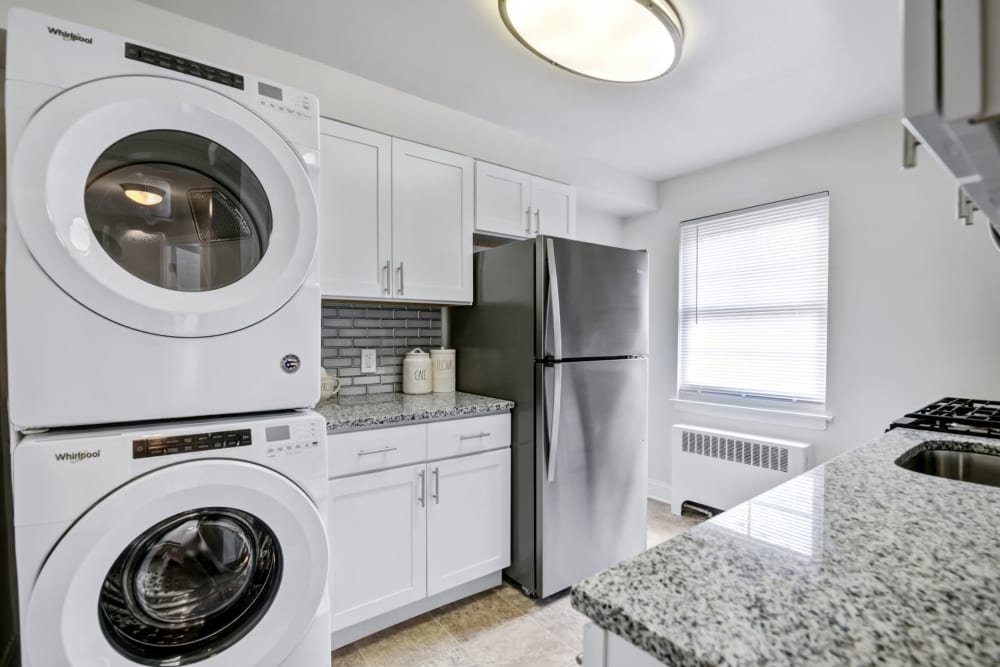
(199, 542)
(162, 226)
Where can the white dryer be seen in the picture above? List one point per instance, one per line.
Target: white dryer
(199, 542)
(161, 233)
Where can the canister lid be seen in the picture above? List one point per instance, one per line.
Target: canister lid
(442, 353)
(416, 352)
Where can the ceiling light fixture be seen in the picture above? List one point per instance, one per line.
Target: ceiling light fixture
(611, 40)
(147, 195)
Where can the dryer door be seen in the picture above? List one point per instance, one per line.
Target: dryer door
(210, 562)
(164, 206)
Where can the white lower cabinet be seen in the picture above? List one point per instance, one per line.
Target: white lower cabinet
(378, 543)
(468, 519)
(404, 539)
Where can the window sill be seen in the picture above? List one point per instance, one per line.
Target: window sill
(805, 420)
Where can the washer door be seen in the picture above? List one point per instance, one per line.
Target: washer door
(208, 562)
(164, 206)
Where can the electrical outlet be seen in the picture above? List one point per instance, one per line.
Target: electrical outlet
(368, 361)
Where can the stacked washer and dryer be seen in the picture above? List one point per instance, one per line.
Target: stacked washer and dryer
(163, 337)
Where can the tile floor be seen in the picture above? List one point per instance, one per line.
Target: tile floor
(498, 627)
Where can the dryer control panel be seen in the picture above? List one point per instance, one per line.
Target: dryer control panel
(291, 439)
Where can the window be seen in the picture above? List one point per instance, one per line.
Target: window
(753, 305)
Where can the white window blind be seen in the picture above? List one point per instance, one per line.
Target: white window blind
(753, 303)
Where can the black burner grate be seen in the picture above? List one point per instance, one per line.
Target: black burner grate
(967, 416)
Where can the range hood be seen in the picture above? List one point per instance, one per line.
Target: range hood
(951, 96)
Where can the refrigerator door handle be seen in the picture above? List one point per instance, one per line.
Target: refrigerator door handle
(554, 301)
(554, 425)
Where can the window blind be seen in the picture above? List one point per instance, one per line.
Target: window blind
(753, 302)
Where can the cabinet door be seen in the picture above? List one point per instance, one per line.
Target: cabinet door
(378, 543)
(468, 518)
(432, 200)
(503, 201)
(355, 215)
(553, 207)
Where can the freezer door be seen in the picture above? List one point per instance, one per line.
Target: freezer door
(591, 476)
(596, 300)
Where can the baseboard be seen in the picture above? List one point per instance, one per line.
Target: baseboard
(355, 632)
(658, 490)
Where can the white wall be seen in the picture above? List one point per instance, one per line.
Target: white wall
(598, 226)
(914, 305)
(359, 101)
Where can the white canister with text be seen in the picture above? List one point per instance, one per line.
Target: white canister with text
(443, 362)
(417, 372)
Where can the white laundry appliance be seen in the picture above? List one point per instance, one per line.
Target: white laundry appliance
(161, 233)
(199, 542)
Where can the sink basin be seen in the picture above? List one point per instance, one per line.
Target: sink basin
(953, 464)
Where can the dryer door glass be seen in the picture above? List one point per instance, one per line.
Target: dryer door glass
(190, 586)
(178, 210)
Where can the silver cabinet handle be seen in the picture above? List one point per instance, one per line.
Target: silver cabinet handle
(388, 275)
(538, 221)
(554, 426)
(400, 270)
(527, 225)
(366, 452)
(473, 436)
(422, 488)
(436, 495)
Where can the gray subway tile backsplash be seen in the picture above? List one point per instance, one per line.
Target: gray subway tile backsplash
(390, 329)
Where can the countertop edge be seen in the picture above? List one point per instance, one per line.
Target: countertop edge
(373, 423)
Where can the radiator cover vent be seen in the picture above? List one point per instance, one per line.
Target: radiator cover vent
(738, 450)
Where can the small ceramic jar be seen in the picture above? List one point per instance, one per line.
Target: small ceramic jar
(443, 362)
(417, 372)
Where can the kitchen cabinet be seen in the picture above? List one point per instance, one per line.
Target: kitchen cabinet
(406, 528)
(468, 519)
(355, 235)
(378, 543)
(518, 205)
(396, 219)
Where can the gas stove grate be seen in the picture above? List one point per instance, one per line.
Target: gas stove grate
(967, 416)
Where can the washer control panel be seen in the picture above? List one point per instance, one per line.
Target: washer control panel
(291, 102)
(190, 442)
(291, 439)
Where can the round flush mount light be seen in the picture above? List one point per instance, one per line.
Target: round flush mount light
(141, 193)
(612, 40)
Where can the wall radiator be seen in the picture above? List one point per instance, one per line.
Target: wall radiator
(720, 469)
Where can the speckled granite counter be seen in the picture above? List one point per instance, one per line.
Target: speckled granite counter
(857, 562)
(351, 413)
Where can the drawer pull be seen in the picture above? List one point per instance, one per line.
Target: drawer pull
(366, 452)
(436, 494)
(473, 436)
(422, 488)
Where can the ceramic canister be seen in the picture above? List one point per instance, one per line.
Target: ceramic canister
(417, 372)
(443, 362)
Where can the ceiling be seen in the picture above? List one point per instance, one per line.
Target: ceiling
(752, 75)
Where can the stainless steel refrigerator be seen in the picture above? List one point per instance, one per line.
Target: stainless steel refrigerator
(560, 327)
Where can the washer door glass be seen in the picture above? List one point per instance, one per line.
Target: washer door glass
(190, 586)
(178, 210)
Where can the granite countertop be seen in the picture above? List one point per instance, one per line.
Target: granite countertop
(351, 413)
(857, 562)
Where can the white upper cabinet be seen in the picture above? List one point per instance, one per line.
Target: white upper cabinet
(355, 236)
(503, 201)
(518, 205)
(553, 206)
(396, 219)
(432, 217)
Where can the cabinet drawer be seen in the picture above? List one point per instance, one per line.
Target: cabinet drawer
(364, 451)
(467, 436)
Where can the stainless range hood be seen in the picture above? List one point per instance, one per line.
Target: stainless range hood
(951, 95)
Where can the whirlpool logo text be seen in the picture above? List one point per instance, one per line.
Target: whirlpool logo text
(70, 36)
(76, 457)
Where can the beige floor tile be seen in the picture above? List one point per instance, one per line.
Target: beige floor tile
(467, 618)
(421, 641)
(348, 656)
(522, 642)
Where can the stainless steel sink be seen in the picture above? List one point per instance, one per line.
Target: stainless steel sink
(952, 464)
